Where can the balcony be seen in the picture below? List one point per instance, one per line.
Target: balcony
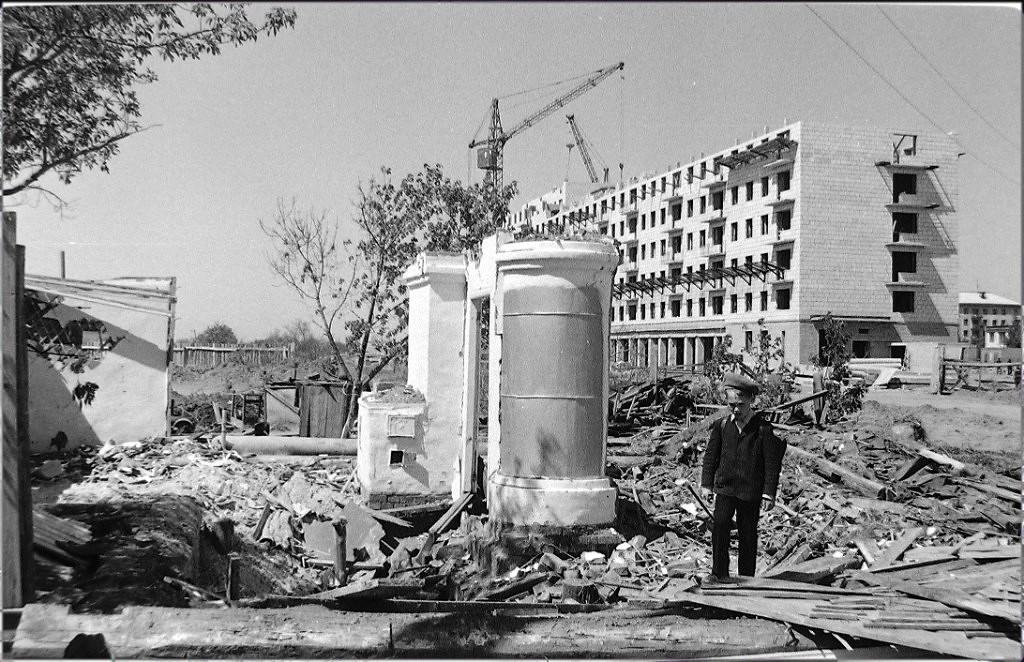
(714, 182)
(775, 164)
(784, 236)
(714, 216)
(782, 198)
(907, 164)
(675, 258)
(711, 250)
(912, 202)
(671, 194)
(629, 209)
(629, 266)
(906, 279)
(908, 244)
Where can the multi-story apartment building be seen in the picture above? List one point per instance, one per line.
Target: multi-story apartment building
(791, 225)
(988, 314)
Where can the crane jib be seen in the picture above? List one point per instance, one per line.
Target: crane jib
(490, 157)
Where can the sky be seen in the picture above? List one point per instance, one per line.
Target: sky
(309, 114)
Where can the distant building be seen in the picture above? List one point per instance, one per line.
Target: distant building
(785, 227)
(988, 314)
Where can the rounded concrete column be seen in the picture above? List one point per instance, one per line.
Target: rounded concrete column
(553, 299)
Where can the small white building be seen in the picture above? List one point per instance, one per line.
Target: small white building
(98, 353)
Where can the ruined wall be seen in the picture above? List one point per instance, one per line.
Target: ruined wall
(98, 358)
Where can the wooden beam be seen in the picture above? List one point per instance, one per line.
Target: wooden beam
(16, 515)
(834, 472)
(312, 632)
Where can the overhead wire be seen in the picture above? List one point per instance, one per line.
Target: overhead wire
(946, 80)
(906, 99)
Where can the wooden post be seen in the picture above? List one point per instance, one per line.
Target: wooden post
(340, 570)
(17, 497)
(231, 578)
(938, 369)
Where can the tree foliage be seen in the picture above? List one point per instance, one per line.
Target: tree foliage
(218, 332)
(307, 344)
(1014, 334)
(360, 282)
(835, 357)
(70, 73)
(455, 217)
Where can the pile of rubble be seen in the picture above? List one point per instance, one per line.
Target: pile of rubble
(874, 536)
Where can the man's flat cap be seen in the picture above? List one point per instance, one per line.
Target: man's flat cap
(741, 383)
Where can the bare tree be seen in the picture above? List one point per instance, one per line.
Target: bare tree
(309, 259)
(426, 210)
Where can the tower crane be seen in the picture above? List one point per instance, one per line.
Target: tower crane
(491, 149)
(581, 145)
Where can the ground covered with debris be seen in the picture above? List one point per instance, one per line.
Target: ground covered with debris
(882, 535)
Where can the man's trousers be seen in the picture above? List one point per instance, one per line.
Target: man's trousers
(747, 513)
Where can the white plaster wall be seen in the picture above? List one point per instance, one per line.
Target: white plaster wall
(131, 402)
(375, 472)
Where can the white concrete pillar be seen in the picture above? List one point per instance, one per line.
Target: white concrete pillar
(554, 384)
(437, 304)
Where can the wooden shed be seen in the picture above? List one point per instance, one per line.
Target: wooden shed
(323, 407)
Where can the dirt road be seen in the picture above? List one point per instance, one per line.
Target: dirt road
(966, 419)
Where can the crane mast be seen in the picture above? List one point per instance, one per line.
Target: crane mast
(490, 155)
(588, 162)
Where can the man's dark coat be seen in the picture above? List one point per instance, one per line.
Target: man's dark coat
(743, 465)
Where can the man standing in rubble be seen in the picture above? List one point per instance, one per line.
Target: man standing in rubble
(741, 473)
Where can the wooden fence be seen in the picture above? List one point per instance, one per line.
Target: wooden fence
(205, 356)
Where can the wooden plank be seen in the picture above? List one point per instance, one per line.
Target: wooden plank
(372, 589)
(318, 632)
(892, 553)
(798, 612)
(1007, 495)
(945, 595)
(61, 529)
(449, 516)
(515, 588)
(766, 583)
(814, 570)
(867, 549)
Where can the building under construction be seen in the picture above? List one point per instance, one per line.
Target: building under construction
(787, 227)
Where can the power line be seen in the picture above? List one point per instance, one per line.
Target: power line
(944, 79)
(903, 96)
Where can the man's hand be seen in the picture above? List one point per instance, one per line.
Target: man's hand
(708, 494)
(767, 502)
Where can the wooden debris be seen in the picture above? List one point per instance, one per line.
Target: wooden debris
(146, 632)
(894, 551)
(516, 588)
(836, 473)
(372, 589)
